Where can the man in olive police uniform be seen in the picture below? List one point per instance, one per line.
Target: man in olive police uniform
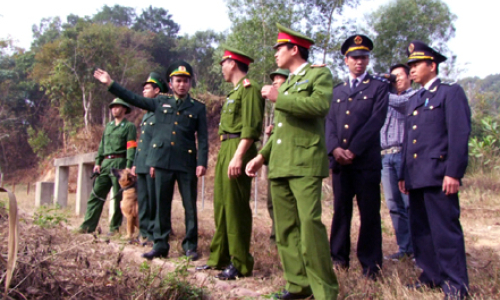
(278, 77)
(435, 154)
(357, 113)
(240, 127)
(152, 87)
(297, 160)
(173, 156)
(116, 150)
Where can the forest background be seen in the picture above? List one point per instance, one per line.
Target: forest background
(50, 105)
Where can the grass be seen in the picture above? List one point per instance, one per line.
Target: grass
(480, 202)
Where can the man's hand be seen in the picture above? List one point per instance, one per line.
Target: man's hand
(235, 165)
(103, 77)
(200, 171)
(342, 156)
(350, 155)
(152, 172)
(450, 185)
(132, 171)
(402, 187)
(269, 130)
(97, 169)
(254, 165)
(269, 92)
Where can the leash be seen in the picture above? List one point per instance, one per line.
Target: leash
(120, 191)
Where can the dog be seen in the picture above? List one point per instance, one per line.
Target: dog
(129, 205)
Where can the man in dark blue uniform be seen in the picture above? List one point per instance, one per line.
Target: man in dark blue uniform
(357, 113)
(434, 160)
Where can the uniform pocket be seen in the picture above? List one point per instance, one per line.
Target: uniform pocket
(433, 112)
(164, 115)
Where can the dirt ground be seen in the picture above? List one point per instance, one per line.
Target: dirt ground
(480, 220)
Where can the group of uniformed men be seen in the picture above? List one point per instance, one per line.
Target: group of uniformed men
(313, 122)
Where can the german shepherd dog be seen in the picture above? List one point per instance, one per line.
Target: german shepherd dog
(129, 205)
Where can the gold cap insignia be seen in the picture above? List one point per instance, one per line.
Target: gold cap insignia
(411, 48)
(182, 68)
(358, 40)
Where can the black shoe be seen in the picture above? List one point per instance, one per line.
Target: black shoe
(287, 295)
(204, 267)
(192, 255)
(154, 253)
(421, 285)
(230, 273)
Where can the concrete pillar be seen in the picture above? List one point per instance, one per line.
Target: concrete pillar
(43, 193)
(111, 196)
(83, 187)
(61, 186)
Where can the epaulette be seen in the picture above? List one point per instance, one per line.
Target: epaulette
(166, 94)
(448, 83)
(380, 79)
(246, 82)
(198, 100)
(318, 66)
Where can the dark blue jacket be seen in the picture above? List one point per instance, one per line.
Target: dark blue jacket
(436, 137)
(354, 122)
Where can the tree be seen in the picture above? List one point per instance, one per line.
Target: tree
(117, 15)
(401, 21)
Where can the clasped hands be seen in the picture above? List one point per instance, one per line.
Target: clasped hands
(343, 156)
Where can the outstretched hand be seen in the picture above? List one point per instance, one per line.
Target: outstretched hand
(103, 77)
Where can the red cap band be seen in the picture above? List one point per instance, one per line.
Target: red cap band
(284, 37)
(240, 58)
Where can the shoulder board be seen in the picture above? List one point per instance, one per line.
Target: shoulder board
(340, 83)
(166, 94)
(448, 83)
(318, 66)
(246, 82)
(380, 79)
(198, 100)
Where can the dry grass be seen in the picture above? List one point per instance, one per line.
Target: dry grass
(480, 203)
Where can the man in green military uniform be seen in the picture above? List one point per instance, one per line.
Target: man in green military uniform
(240, 127)
(278, 77)
(152, 87)
(173, 156)
(116, 150)
(297, 159)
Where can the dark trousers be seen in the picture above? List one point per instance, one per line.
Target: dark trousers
(365, 185)
(164, 183)
(438, 240)
(147, 205)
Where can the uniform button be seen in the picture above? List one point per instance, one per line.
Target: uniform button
(140, 141)
(145, 123)
(364, 97)
(440, 157)
(414, 141)
(143, 131)
(190, 151)
(154, 145)
(346, 126)
(338, 100)
(190, 116)
(345, 141)
(172, 143)
(173, 132)
(164, 111)
(347, 112)
(431, 107)
(350, 99)
(178, 113)
(280, 124)
(415, 112)
(414, 127)
(286, 93)
(138, 149)
(415, 155)
(151, 123)
(278, 141)
(176, 123)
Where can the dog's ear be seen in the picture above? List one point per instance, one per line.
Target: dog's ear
(116, 172)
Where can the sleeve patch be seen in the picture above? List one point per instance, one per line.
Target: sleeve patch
(131, 144)
(246, 83)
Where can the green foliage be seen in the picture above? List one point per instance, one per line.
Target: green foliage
(38, 140)
(49, 217)
(401, 21)
(484, 150)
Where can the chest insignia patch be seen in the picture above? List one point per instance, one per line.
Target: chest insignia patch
(166, 105)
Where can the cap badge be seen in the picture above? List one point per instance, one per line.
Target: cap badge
(411, 47)
(358, 40)
(182, 68)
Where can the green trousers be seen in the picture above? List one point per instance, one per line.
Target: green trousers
(147, 205)
(232, 212)
(301, 237)
(188, 188)
(270, 210)
(102, 185)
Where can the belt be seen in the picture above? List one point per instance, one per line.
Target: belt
(228, 136)
(114, 156)
(391, 150)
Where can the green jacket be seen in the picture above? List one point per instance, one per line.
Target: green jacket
(173, 144)
(118, 139)
(243, 111)
(297, 146)
(147, 125)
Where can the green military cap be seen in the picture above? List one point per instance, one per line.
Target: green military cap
(119, 101)
(156, 79)
(181, 68)
(286, 35)
(236, 54)
(279, 71)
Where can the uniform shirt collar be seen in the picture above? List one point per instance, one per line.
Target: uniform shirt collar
(359, 78)
(429, 84)
(302, 66)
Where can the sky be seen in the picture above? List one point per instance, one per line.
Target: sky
(474, 42)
